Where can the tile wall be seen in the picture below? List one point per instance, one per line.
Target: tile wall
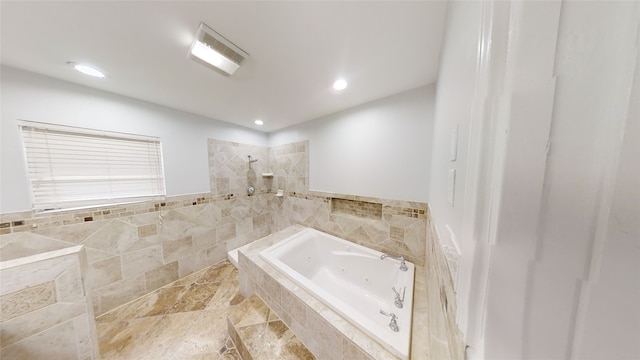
(392, 226)
(45, 311)
(445, 340)
(230, 171)
(137, 248)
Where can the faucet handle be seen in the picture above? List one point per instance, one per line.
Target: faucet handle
(404, 290)
(399, 301)
(393, 324)
(393, 316)
(403, 264)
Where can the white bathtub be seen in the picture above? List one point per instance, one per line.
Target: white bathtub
(352, 280)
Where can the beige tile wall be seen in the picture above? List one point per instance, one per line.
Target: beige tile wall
(399, 230)
(137, 248)
(45, 311)
(445, 339)
(134, 249)
(230, 171)
(290, 166)
(356, 208)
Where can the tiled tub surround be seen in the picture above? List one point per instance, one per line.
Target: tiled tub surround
(46, 312)
(391, 226)
(401, 229)
(323, 331)
(352, 280)
(361, 209)
(137, 248)
(445, 339)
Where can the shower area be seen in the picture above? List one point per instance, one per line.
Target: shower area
(251, 176)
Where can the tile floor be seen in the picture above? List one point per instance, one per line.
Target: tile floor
(187, 319)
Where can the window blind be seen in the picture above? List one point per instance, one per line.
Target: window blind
(73, 167)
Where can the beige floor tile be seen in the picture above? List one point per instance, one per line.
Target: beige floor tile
(187, 319)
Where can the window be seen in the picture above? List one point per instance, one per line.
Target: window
(73, 167)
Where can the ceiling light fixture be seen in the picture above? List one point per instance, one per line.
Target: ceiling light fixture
(340, 84)
(259, 122)
(216, 52)
(88, 70)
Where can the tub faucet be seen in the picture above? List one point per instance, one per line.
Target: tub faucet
(403, 265)
(399, 301)
(393, 324)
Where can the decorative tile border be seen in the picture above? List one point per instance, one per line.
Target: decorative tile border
(31, 220)
(400, 230)
(46, 312)
(363, 209)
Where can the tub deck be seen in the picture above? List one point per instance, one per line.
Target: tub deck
(350, 279)
(321, 329)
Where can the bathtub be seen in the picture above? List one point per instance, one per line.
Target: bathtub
(350, 279)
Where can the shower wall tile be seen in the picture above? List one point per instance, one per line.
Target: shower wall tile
(177, 249)
(290, 166)
(104, 272)
(47, 314)
(21, 244)
(137, 248)
(147, 230)
(58, 342)
(161, 276)
(401, 229)
(27, 300)
(230, 171)
(362, 209)
(141, 261)
(69, 285)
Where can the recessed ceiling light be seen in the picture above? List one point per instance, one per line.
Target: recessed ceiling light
(88, 70)
(340, 84)
(216, 52)
(259, 122)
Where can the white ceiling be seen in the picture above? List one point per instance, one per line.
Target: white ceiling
(297, 50)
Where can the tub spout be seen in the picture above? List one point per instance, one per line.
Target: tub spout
(393, 324)
(403, 265)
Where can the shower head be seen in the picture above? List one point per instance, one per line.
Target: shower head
(252, 159)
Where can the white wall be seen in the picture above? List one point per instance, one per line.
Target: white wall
(380, 149)
(456, 89)
(33, 97)
(548, 223)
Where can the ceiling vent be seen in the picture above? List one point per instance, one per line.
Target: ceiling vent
(216, 52)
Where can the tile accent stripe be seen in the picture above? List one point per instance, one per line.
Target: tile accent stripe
(30, 220)
(363, 209)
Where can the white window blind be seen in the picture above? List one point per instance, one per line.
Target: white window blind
(73, 167)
